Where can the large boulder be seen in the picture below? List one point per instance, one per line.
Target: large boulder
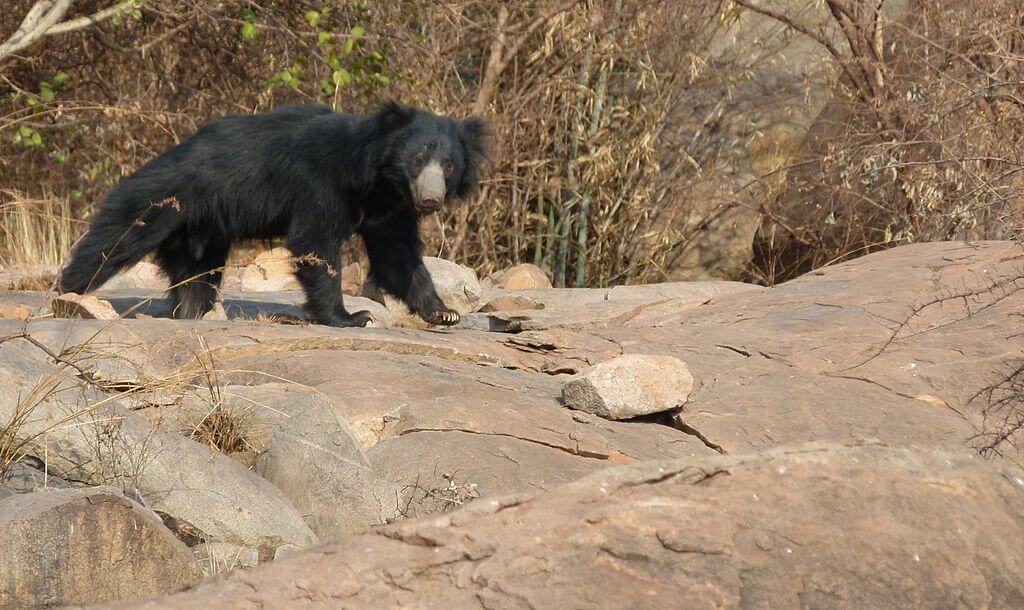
(314, 459)
(815, 526)
(86, 546)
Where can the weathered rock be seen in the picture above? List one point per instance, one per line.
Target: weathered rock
(86, 546)
(352, 278)
(231, 279)
(457, 286)
(14, 312)
(630, 386)
(510, 302)
(314, 459)
(272, 270)
(71, 305)
(520, 277)
(218, 557)
(91, 438)
(143, 275)
(808, 526)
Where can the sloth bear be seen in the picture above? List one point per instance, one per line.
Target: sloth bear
(305, 173)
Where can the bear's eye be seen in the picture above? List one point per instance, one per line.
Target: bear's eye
(448, 167)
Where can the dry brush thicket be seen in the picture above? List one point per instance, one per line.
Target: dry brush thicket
(919, 143)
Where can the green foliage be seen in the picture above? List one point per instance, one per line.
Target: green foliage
(349, 61)
(248, 30)
(130, 11)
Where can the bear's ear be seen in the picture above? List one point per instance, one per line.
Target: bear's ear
(393, 115)
(474, 134)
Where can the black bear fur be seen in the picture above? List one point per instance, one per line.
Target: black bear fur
(305, 173)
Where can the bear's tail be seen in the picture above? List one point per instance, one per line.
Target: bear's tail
(117, 238)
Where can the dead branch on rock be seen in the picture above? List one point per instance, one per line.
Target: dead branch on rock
(974, 300)
(1003, 413)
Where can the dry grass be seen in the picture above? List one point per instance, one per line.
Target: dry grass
(447, 493)
(36, 231)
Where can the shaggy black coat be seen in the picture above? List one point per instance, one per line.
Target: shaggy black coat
(304, 173)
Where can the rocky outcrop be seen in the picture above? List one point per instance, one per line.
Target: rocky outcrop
(809, 525)
(810, 403)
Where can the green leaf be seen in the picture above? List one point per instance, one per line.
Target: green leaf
(46, 92)
(60, 78)
(358, 32)
(325, 38)
(313, 18)
(341, 77)
(333, 60)
(248, 31)
(248, 15)
(382, 79)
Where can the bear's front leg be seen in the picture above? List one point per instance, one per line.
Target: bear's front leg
(318, 269)
(397, 266)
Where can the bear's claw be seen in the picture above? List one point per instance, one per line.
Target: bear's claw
(443, 318)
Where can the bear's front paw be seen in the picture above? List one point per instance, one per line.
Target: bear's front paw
(443, 318)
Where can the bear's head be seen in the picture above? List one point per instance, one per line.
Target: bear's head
(429, 159)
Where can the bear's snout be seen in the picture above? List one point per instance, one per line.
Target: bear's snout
(429, 189)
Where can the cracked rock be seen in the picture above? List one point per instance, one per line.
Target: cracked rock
(630, 386)
(86, 546)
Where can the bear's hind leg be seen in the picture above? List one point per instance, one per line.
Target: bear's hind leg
(194, 268)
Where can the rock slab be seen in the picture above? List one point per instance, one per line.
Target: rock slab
(630, 386)
(86, 546)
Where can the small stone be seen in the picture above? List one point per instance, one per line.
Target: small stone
(216, 313)
(630, 386)
(521, 277)
(510, 302)
(88, 307)
(14, 312)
